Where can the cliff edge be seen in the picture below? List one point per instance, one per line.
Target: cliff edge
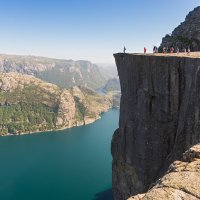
(159, 118)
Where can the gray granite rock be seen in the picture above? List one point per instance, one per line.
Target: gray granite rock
(181, 182)
(159, 118)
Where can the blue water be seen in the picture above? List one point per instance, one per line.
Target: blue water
(72, 164)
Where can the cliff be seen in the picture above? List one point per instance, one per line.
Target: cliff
(159, 117)
(28, 104)
(187, 34)
(181, 181)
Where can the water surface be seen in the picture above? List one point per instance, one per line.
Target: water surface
(72, 164)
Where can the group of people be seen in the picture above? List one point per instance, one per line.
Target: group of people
(155, 49)
(172, 50)
(166, 50)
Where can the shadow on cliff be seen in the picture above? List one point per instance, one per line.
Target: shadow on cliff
(104, 195)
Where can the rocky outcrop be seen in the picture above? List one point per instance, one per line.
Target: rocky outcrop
(181, 181)
(159, 118)
(66, 109)
(187, 34)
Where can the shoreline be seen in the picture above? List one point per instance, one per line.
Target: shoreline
(56, 130)
(60, 129)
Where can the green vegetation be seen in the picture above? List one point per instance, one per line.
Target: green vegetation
(30, 93)
(80, 109)
(25, 117)
(28, 104)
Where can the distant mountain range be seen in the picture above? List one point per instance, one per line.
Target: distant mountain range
(109, 71)
(28, 104)
(64, 73)
(112, 84)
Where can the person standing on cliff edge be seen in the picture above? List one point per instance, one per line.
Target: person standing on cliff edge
(145, 50)
(177, 50)
(188, 50)
(124, 49)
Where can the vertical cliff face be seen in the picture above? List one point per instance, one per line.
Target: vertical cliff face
(159, 118)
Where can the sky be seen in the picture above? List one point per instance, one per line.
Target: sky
(87, 29)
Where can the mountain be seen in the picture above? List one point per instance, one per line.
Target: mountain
(112, 84)
(113, 90)
(115, 97)
(187, 34)
(28, 104)
(64, 73)
(108, 70)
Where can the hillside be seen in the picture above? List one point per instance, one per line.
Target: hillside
(109, 71)
(112, 84)
(28, 104)
(64, 73)
(113, 90)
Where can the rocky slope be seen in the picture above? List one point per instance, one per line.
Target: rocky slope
(64, 73)
(28, 104)
(159, 118)
(113, 91)
(186, 34)
(181, 181)
(109, 71)
(112, 84)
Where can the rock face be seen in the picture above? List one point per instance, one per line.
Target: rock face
(181, 181)
(186, 34)
(159, 118)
